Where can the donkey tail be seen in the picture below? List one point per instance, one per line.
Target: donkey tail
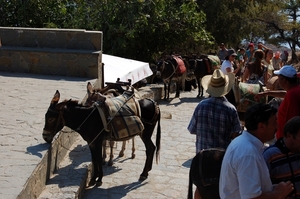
(158, 136)
(190, 191)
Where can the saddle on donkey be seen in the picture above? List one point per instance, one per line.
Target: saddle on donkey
(121, 116)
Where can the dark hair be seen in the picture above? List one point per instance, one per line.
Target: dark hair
(292, 80)
(292, 126)
(259, 54)
(266, 53)
(258, 113)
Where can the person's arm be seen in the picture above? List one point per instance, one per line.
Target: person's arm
(266, 75)
(246, 74)
(264, 47)
(280, 191)
(277, 93)
(237, 68)
(246, 174)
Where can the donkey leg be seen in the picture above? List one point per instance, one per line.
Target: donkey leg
(121, 154)
(111, 157)
(165, 90)
(199, 88)
(169, 87)
(97, 173)
(104, 152)
(177, 90)
(150, 150)
(133, 149)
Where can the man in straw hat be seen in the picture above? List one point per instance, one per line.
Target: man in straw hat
(215, 121)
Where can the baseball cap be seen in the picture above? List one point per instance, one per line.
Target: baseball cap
(251, 45)
(287, 71)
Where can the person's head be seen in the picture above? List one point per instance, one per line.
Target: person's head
(291, 132)
(261, 121)
(251, 46)
(287, 74)
(259, 45)
(242, 50)
(231, 55)
(277, 55)
(259, 54)
(268, 53)
(222, 46)
(218, 84)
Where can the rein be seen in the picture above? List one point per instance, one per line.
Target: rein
(174, 69)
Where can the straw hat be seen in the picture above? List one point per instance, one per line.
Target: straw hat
(218, 84)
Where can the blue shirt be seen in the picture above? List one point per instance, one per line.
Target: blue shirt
(213, 121)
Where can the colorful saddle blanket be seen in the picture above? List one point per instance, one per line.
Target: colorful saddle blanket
(123, 117)
(181, 67)
(247, 94)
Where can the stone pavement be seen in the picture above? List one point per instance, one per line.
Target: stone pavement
(24, 101)
(168, 178)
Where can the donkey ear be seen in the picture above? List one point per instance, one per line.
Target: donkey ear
(89, 89)
(55, 98)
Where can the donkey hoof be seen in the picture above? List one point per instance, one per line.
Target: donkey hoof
(121, 154)
(142, 178)
(132, 156)
(98, 184)
(91, 183)
(110, 163)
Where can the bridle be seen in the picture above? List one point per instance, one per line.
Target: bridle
(58, 119)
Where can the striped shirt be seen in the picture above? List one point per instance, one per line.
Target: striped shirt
(279, 165)
(213, 121)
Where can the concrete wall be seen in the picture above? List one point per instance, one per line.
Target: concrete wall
(66, 52)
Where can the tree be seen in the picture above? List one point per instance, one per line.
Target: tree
(33, 13)
(228, 20)
(145, 30)
(282, 21)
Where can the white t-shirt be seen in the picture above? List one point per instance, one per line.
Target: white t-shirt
(244, 173)
(226, 64)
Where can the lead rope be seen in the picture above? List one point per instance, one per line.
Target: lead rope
(173, 69)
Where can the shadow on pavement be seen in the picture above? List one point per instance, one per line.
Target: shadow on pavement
(37, 76)
(112, 192)
(36, 149)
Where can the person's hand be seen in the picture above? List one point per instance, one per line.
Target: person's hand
(283, 189)
(258, 96)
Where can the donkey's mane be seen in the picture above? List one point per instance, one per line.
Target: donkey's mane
(72, 102)
(75, 103)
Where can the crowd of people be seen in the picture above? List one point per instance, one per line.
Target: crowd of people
(250, 168)
(253, 64)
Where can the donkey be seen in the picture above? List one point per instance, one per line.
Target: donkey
(200, 67)
(87, 121)
(172, 68)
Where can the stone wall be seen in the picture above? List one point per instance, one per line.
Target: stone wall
(66, 52)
